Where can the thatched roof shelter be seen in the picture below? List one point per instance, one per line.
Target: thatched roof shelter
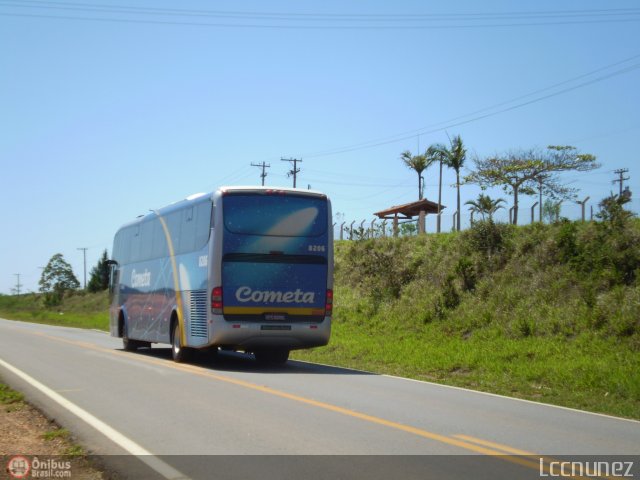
(408, 211)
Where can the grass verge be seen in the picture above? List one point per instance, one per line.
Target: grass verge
(587, 372)
(82, 310)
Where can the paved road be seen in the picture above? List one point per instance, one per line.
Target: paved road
(231, 406)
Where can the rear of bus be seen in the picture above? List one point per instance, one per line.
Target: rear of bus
(272, 281)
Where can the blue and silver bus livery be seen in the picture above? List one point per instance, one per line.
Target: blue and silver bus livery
(243, 268)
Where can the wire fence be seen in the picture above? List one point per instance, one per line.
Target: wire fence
(374, 227)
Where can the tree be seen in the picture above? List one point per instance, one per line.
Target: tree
(551, 211)
(57, 278)
(436, 153)
(612, 212)
(485, 205)
(454, 157)
(520, 171)
(100, 275)
(408, 229)
(419, 163)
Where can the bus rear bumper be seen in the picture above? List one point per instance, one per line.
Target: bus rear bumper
(249, 336)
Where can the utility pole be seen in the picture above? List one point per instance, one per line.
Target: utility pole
(540, 198)
(295, 170)
(84, 253)
(18, 284)
(263, 174)
(621, 178)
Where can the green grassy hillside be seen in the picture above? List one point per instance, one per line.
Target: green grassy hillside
(78, 309)
(543, 312)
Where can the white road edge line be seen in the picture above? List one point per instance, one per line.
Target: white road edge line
(479, 392)
(164, 469)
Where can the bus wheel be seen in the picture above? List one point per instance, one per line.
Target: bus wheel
(272, 357)
(179, 353)
(128, 344)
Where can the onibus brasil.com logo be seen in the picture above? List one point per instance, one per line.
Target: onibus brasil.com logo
(20, 466)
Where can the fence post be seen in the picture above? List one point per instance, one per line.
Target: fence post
(511, 216)
(351, 230)
(472, 211)
(533, 219)
(455, 216)
(373, 222)
(342, 230)
(583, 204)
(384, 227)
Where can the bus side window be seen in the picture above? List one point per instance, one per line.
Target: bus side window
(116, 253)
(146, 240)
(188, 232)
(159, 249)
(125, 246)
(203, 224)
(134, 244)
(174, 224)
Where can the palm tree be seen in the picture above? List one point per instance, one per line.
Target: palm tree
(419, 163)
(485, 205)
(455, 156)
(436, 152)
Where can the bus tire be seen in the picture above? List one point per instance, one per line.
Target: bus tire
(277, 356)
(179, 353)
(128, 344)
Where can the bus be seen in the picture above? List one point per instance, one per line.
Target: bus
(244, 268)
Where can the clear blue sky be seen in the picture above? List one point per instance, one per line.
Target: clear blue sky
(114, 109)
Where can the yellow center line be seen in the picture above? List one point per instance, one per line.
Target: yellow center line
(498, 446)
(461, 441)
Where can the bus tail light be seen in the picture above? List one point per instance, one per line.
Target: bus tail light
(328, 308)
(216, 301)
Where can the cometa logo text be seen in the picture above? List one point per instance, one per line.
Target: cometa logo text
(140, 279)
(246, 294)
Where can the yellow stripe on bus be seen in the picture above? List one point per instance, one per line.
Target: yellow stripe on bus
(261, 310)
(176, 280)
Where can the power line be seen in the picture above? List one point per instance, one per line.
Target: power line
(575, 12)
(264, 165)
(425, 131)
(314, 16)
(625, 19)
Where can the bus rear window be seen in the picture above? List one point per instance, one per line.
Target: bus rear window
(275, 215)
